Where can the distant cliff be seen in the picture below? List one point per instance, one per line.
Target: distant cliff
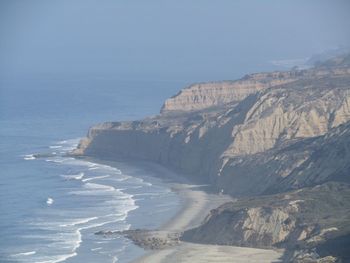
(272, 133)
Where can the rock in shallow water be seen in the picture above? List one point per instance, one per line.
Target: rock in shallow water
(147, 239)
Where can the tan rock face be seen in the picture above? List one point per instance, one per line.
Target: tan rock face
(253, 226)
(259, 225)
(297, 219)
(342, 114)
(281, 115)
(206, 95)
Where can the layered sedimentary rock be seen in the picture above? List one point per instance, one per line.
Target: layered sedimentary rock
(208, 95)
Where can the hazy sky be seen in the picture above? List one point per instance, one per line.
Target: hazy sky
(161, 39)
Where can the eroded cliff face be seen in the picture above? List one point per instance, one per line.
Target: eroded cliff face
(293, 220)
(292, 164)
(209, 95)
(261, 227)
(240, 145)
(206, 95)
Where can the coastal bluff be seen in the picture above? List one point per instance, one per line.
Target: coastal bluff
(277, 135)
(241, 146)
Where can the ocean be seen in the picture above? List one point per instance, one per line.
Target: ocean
(52, 207)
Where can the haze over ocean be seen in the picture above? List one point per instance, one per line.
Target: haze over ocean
(164, 40)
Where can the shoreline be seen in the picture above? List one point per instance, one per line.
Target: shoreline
(196, 204)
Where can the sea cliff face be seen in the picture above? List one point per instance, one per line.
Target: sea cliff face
(301, 220)
(281, 135)
(208, 95)
(247, 145)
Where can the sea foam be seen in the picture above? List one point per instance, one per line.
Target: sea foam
(78, 176)
(55, 146)
(29, 157)
(49, 201)
(25, 254)
(96, 178)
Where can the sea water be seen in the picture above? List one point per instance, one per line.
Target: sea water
(51, 207)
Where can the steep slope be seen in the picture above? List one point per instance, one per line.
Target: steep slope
(231, 145)
(206, 95)
(293, 165)
(302, 220)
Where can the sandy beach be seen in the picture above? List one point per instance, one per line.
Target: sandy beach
(196, 205)
(196, 201)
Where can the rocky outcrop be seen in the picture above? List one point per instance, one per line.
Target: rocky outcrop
(301, 221)
(255, 227)
(147, 239)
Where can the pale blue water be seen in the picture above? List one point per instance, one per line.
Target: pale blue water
(51, 207)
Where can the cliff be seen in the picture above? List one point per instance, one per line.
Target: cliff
(294, 220)
(207, 95)
(279, 139)
(216, 94)
(245, 146)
